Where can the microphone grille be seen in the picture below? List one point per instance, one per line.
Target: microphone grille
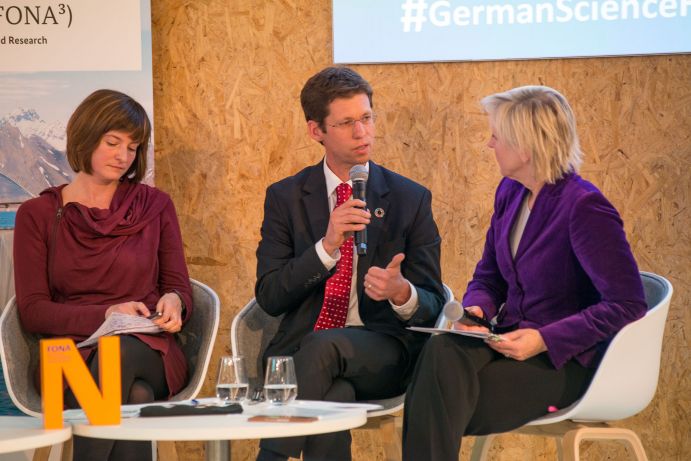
(359, 173)
(453, 311)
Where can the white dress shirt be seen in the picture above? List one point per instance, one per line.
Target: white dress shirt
(405, 311)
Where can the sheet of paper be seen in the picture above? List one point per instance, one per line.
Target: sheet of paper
(286, 410)
(337, 405)
(472, 334)
(306, 408)
(78, 414)
(118, 324)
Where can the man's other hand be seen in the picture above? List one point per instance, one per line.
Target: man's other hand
(388, 283)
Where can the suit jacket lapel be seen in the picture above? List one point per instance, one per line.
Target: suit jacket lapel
(377, 189)
(315, 202)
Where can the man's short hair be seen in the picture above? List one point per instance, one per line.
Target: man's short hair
(103, 111)
(329, 84)
(538, 120)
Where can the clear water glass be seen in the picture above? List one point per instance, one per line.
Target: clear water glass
(280, 385)
(232, 382)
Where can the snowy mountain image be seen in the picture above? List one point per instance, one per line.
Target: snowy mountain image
(29, 123)
(32, 156)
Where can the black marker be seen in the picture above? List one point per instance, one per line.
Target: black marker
(155, 315)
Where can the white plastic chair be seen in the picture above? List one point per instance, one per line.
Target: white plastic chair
(623, 385)
(250, 333)
(19, 352)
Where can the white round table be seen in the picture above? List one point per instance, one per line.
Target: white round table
(217, 428)
(19, 433)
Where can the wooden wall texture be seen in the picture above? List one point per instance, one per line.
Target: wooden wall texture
(227, 77)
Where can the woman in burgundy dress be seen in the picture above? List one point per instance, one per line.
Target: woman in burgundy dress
(106, 243)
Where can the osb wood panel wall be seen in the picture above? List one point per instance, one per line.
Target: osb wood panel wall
(227, 77)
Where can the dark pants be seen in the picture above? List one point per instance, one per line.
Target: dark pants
(461, 386)
(143, 381)
(342, 365)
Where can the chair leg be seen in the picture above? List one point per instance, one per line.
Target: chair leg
(42, 454)
(67, 450)
(166, 451)
(391, 438)
(560, 448)
(572, 440)
(481, 447)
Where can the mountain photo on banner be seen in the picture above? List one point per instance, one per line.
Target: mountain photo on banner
(32, 155)
(39, 92)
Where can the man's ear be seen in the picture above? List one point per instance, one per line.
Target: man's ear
(315, 131)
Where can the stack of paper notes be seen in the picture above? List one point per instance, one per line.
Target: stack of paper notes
(120, 324)
(471, 333)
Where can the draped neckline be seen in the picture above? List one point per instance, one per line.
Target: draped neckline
(132, 207)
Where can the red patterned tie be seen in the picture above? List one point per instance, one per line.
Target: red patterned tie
(337, 294)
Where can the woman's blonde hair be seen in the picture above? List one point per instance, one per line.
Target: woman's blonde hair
(537, 120)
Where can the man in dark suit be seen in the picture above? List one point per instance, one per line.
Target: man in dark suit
(345, 315)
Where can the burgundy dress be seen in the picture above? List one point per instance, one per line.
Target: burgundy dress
(72, 262)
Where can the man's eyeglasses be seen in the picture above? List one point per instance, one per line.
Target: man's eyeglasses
(366, 120)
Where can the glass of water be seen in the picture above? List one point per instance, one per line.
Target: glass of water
(232, 383)
(280, 385)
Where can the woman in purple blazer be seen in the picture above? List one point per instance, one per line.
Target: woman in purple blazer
(556, 278)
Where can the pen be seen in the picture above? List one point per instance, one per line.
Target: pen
(155, 315)
(479, 320)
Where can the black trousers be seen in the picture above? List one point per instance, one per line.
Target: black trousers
(461, 386)
(143, 381)
(342, 365)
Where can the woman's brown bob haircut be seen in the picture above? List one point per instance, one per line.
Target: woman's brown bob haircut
(103, 111)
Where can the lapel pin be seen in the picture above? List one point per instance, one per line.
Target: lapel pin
(379, 213)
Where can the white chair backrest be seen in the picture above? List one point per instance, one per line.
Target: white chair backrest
(198, 336)
(19, 350)
(626, 379)
(19, 354)
(448, 293)
(448, 297)
(250, 333)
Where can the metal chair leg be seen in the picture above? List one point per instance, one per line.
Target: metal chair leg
(572, 440)
(481, 447)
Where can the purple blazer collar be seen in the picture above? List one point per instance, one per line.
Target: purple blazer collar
(539, 215)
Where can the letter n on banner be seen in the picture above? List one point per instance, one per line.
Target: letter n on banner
(60, 357)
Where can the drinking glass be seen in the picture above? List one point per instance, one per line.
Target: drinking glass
(280, 385)
(232, 383)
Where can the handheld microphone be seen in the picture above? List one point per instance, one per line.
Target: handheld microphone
(359, 175)
(454, 312)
